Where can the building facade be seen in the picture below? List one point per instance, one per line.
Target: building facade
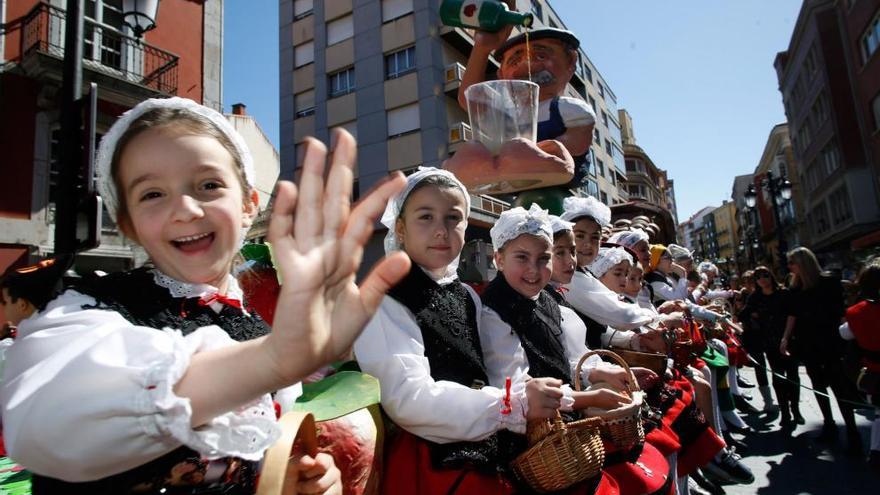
(181, 57)
(817, 75)
(648, 187)
(388, 72)
(777, 161)
(721, 232)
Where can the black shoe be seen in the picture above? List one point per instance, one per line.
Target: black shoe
(704, 483)
(730, 469)
(740, 431)
(828, 433)
(854, 445)
(744, 406)
(787, 423)
(733, 443)
(742, 382)
(798, 417)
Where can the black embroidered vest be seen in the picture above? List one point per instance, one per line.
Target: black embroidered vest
(136, 297)
(447, 317)
(538, 324)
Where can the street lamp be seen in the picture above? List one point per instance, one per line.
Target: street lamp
(780, 189)
(140, 15)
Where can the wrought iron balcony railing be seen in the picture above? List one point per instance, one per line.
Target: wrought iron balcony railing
(105, 50)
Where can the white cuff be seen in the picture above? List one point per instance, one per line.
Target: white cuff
(515, 420)
(566, 404)
(244, 433)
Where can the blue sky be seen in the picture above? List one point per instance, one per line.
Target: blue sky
(696, 75)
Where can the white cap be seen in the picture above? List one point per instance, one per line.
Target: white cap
(576, 207)
(517, 221)
(608, 258)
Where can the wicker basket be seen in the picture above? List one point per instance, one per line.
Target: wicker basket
(568, 454)
(622, 426)
(654, 361)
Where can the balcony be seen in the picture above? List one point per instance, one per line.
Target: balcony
(114, 60)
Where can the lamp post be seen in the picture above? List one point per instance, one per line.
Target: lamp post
(780, 193)
(140, 16)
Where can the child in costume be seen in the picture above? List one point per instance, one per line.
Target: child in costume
(521, 309)
(157, 380)
(426, 346)
(660, 271)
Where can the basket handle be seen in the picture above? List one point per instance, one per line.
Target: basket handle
(279, 474)
(612, 355)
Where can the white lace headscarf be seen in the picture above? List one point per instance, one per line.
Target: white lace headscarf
(577, 207)
(106, 184)
(706, 267)
(679, 252)
(629, 238)
(518, 221)
(559, 224)
(395, 207)
(607, 259)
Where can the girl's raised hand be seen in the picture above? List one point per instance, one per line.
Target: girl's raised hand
(318, 242)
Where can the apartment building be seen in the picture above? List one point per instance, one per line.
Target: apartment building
(388, 71)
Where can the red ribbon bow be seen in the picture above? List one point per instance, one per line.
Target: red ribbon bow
(507, 409)
(216, 297)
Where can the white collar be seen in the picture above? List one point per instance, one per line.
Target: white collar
(450, 276)
(178, 288)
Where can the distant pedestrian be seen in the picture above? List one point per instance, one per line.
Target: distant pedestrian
(815, 312)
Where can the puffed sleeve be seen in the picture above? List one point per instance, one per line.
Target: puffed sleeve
(503, 352)
(670, 293)
(576, 112)
(392, 350)
(88, 395)
(590, 297)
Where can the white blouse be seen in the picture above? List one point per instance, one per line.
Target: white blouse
(392, 350)
(504, 347)
(87, 395)
(670, 292)
(589, 296)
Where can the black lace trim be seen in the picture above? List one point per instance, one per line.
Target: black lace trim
(136, 297)
(538, 324)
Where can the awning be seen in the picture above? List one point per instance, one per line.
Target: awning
(866, 241)
(11, 255)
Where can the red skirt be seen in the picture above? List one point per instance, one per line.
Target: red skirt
(408, 470)
(648, 475)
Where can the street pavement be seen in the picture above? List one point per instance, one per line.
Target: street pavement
(797, 464)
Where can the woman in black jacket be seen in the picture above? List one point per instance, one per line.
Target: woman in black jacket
(766, 313)
(815, 310)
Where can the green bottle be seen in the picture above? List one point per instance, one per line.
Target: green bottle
(484, 15)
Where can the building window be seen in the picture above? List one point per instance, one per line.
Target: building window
(588, 73)
(597, 136)
(592, 102)
(601, 90)
(608, 147)
(400, 62)
(600, 168)
(304, 54)
(841, 212)
(603, 197)
(393, 9)
(820, 221)
(552, 24)
(302, 8)
(538, 10)
(304, 103)
(403, 120)
(875, 110)
(830, 158)
(871, 39)
(340, 30)
(102, 41)
(604, 118)
(340, 83)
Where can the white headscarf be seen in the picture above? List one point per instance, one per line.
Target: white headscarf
(559, 224)
(106, 185)
(629, 238)
(577, 207)
(608, 258)
(517, 221)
